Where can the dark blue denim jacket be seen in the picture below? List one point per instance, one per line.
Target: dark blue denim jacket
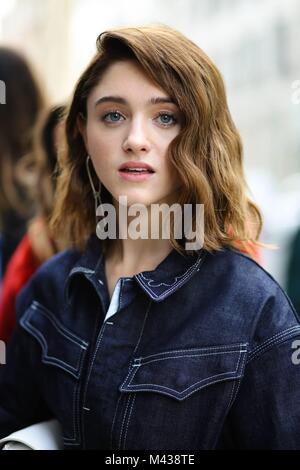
(200, 355)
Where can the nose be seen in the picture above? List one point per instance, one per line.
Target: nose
(137, 139)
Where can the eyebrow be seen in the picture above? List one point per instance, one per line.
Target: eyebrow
(118, 99)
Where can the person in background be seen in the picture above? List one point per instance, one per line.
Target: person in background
(23, 103)
(293, 272)
(36, 246)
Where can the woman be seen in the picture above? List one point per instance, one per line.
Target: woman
(36, 246)
(149, 343)
(18, 115)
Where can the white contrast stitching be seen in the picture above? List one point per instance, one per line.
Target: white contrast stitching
(125, 413)
(127, 425)
(154, 387)
(273, 340)
(93, 360)
(235, 348)
(113, 423)
(190, 355)
(56, 323)
(166, 292)
(47, 359)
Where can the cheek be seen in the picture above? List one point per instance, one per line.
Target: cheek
(100, 147)
(95, 141)
(171, 173)
(164, 142)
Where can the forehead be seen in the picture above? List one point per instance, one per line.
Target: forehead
(126, 76)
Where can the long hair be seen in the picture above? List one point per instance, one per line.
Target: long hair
(44, 159)
(18, 115)
(207, 153)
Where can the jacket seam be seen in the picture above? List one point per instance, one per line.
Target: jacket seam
(235, 347)
(188, 355)
(57, 324)
(93, 360)
(175, 285)
(273, 341)
(179, 395)
(252, 261)
(46, 358)
(128, 421)
(238, 383)
(123, 422)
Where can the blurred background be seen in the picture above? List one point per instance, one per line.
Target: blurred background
(254, 43)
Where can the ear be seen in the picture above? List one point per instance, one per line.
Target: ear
(81, 124)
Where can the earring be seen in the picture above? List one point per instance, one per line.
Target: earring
(96, 194)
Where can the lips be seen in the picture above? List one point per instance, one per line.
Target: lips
(136, 168)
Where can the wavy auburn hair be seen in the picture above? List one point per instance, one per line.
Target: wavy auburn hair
(207, 153)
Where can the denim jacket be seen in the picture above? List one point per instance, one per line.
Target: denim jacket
(201, 354)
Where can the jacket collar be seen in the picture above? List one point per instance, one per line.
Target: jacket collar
(172, 273)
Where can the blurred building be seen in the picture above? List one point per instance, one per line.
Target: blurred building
(254, 43)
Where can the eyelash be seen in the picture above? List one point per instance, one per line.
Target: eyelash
(174, 120)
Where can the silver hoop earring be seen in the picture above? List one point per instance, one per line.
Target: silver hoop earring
(96, 194)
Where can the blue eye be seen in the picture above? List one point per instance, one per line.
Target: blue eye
(113, 116)
(167, 119)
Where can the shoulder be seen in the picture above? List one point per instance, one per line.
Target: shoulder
(48, 283)
(243, 274)
(253, 297)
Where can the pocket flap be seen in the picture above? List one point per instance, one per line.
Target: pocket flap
(180, 373)
(60, 346)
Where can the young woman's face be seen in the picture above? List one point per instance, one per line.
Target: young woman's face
(132, 120)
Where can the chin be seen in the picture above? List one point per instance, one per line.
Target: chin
(136, 199)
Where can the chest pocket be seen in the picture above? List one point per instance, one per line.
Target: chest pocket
(178, 400)
(180, 373)
(64, 350)
(60, 346)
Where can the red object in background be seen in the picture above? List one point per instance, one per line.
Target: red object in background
(251, 250)
(21, 267)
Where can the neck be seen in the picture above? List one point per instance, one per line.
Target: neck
(131, 256)
(134, 256)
